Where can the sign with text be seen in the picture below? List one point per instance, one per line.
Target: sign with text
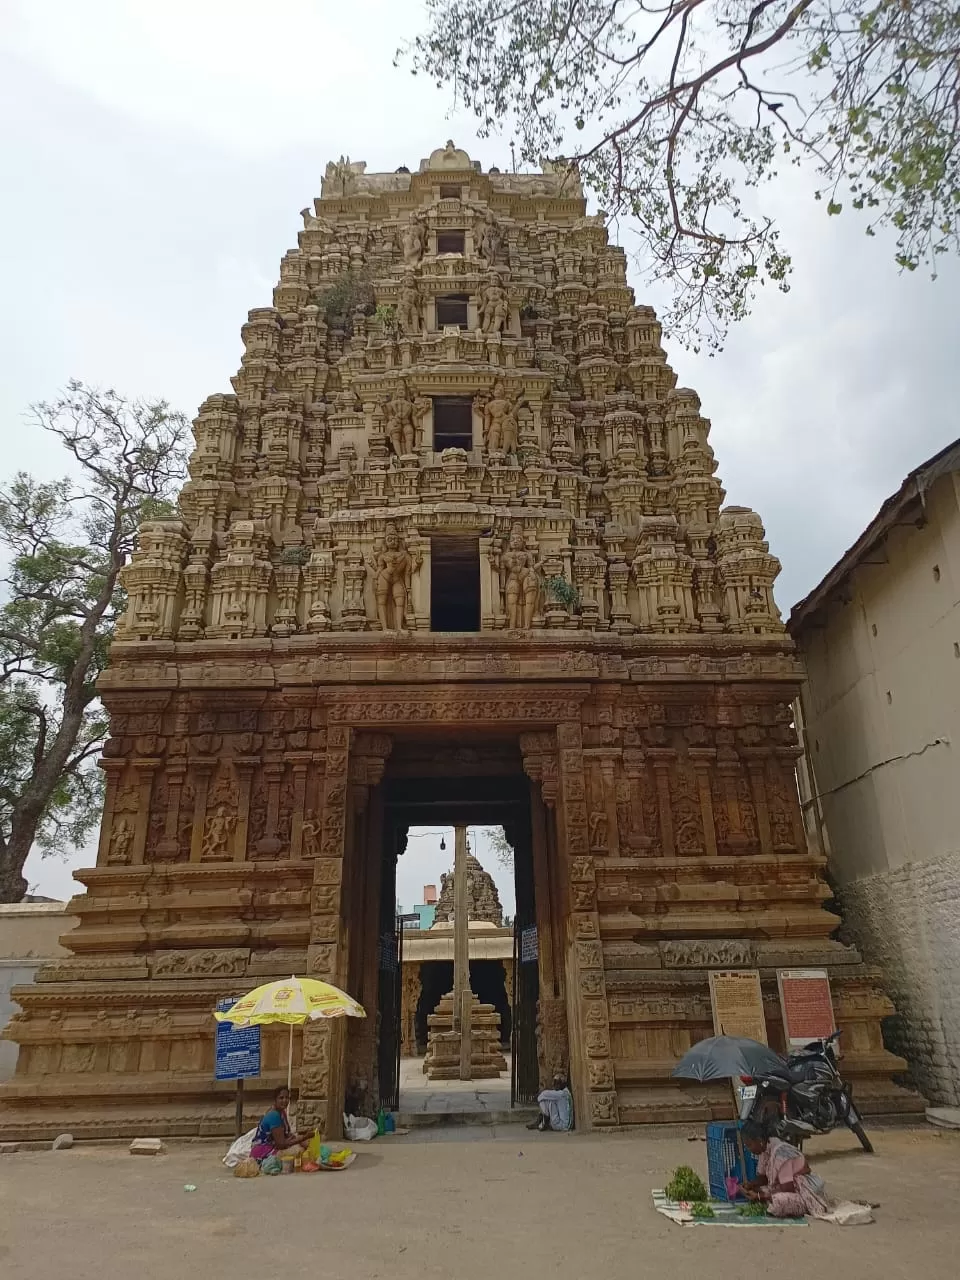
(806, 1005)
(528, 945)
(737, 1004)
(237, 1049)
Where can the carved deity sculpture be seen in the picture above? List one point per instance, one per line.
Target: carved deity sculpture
(494, 305)
(413, 241)
(486, 238)
(310, 835)
(500, 425)
(217, 832)
(409, 305)
(402, 417)
(392, 568)
(520, 576)
(121, 841)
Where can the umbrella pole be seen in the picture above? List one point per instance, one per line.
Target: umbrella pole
(290, 1058)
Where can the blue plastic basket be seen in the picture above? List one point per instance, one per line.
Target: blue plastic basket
(723, 1158)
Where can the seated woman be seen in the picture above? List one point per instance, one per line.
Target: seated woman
(786, 1185)
(274, 1135)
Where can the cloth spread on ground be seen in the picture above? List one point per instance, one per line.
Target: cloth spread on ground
(794, 1190)
(724, 1215)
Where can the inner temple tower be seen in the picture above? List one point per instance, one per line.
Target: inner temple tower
(455, 513)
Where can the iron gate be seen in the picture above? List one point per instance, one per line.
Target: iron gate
(390, 986)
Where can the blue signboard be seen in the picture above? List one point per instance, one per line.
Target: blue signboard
(238, 1048)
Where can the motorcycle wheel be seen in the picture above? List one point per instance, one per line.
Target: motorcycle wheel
(857, 1128)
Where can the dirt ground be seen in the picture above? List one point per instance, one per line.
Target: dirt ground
(470, 1204)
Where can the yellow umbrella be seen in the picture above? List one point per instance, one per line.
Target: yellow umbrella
(294, 1001)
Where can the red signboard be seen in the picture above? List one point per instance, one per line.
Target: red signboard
(806, 1005)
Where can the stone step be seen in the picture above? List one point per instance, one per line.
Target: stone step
(437, 1119)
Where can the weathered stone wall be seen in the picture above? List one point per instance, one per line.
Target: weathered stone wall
(907, 921)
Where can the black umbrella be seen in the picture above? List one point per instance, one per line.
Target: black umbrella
(725, 1057)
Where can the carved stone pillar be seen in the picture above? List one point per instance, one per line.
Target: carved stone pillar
(593, 1083)
(320, 1102)
(201, 771)
(663, 760)
(702, 758)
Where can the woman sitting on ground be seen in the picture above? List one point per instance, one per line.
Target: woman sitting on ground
(786, 1185)
(274, 1135)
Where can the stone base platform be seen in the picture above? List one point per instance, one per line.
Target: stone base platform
(442, 1060)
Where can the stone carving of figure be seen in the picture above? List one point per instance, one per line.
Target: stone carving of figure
(408, 305)
(310, 837)
(402, 417)
(413, 241)
(121, 841)
(520, 574)
(486, 238)
(494, 305)
(217, 832)
(392, 567)
(500, 425)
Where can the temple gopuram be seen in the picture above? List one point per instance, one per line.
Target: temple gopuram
(452, 550)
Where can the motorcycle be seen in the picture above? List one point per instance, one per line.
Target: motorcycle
(808, 1096)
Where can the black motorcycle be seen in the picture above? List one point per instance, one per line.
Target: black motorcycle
(806, 1097)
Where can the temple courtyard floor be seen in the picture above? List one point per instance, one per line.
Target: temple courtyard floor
(465, 1202)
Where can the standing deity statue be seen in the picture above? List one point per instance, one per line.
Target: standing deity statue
(413, 241)
(402, 417)
(486, 238)
(408, 305)
(392, 568)
(494, 305)
(217, 832)
(520, 578)
(500, 424)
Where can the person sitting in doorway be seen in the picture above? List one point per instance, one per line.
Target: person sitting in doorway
(556, 1108)
(274, 1135)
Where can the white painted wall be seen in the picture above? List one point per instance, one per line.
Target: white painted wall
(29, 934)
(883, 681)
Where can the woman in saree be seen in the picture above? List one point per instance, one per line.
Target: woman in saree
(786, 1185)
(274, 1135)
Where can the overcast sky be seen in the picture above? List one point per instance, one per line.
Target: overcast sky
(154, 159)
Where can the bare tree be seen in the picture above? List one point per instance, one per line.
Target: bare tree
(66, 543)
(676, 111)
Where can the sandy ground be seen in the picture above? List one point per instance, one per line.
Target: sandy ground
(481, 1204)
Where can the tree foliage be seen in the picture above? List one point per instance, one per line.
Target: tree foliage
(63, 544)
(675, 111)
(500, 845)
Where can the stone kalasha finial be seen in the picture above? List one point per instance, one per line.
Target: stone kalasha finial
(392, 568)
(494, 305)
(520, 580)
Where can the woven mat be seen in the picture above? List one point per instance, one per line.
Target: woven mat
(725, 1215)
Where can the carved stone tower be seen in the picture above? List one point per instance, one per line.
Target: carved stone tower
(456, 503)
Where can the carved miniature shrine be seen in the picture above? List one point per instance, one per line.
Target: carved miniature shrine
(455, 522)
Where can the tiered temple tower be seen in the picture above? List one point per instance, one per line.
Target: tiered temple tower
(457, 498)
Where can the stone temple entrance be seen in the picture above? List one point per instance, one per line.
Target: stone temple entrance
(442, 779)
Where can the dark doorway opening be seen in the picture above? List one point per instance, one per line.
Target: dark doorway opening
(451, 241)
(488, 983)
(452, 309)
(425, 787)
(452, 423)
(454, 583)
(450, 191)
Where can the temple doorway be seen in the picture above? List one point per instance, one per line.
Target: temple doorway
(404, 1058)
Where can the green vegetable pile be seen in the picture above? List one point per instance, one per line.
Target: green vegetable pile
(685, 1185)
(700, 1209)
(754, 1209)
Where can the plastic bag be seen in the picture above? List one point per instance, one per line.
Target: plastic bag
(246, 1169)
(271, 1165)
(240, 1150)
(312, 1152)
(359, 1129)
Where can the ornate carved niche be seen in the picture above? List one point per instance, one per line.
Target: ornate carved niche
(687, 815)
